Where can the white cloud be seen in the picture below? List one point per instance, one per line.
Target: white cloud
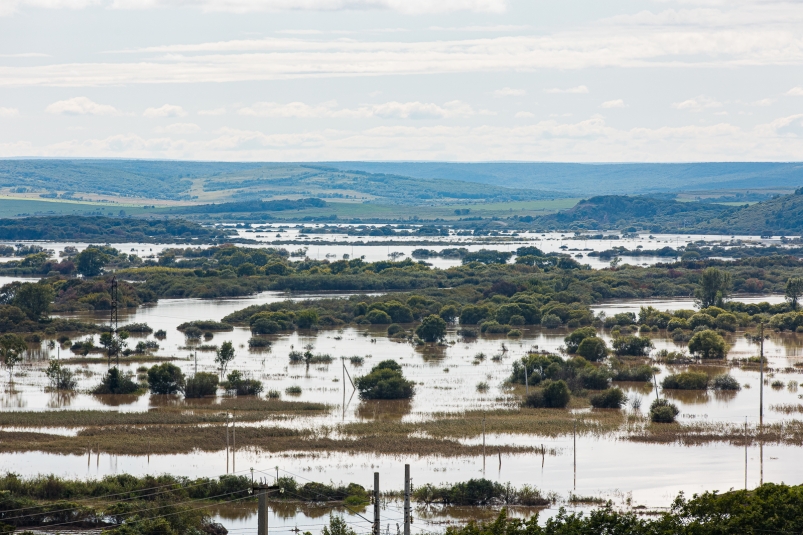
(763, 102)
(81, 106)
(168, 110)
(697, 104)
(618, 103)
(178, 128)
(387, 110)
(580, 89)
(412, 7)
(9, 112)
(586, 140)
(509, 92)
(524, 115)
(795, 92)
(215, 111)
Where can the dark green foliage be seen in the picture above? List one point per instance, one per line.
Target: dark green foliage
(725, 382)
(378, 317)
(612, 398)
(631, 345)
(714, 287)
(385, 382)
(60, 377)
(550, 395)
(200, 385)
(662, 411)
(486, 256)
(432, 329)
(114, 382)
(242, 386)
(594, 378)
(206, 325)
(686, 381)
(165, 378)
(577, 336)
(478, 492)
(90, 262)
(708, 345)
(623, 372)
(593, 349)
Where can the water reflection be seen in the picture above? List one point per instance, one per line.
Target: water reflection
(384, 409)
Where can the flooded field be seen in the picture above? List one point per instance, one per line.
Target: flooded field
(604, 463)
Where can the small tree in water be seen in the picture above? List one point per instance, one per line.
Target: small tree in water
(794, 289)
(715, 286)
(12, 348)
(60, 378)
(224, 356)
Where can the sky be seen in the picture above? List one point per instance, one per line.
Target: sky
(420, 80)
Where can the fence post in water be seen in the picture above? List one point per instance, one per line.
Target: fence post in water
(406, 499)
(376, 504)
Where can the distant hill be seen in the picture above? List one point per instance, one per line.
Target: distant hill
(782, 215)
(598, 179)
(618, 211)
(215, 182)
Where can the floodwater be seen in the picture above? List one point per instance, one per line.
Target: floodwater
(447, 377)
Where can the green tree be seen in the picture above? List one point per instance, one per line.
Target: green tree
(337, 526)
(577, 336)
(432, 329)
(593, 349)
(225, 354)
(708, 344)
(200, 385)
(385, 382)
(12, 349)
(714, 287)
(165, 378)
(794, 289)
(60, 377)
(34, 299)
(90, 262)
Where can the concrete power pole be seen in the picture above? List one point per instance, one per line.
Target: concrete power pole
(262, 490)
(375, 531)
(407, 516)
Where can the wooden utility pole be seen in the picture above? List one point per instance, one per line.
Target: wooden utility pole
(376, 504)
(407, 516)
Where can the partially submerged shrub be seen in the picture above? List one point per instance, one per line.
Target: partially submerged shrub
(200, 385)
(482, 387)
(613, 398)
(635, 346)
(662, 411)
(60, 377)
(255, 342)
(708, 344)
(114, 382)
(686, 381)
(165, 378)
(240, 385)
(385, 381)
(593, 349)
(293, 390)
(551, 395)
(725, 382)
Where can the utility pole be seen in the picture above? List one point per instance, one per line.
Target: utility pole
(376, 504)
(761, 376)
(407, 518)
(114, 349)
(261, 490)
(234, 440)
(526, 382)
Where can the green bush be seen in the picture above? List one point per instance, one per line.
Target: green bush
(551, 395)
(114, 382)
(686, 381)
(594, 378)
(613, 398)
(165, 378)
(632, 345)
(200, 385)
(708, 344)
(593, 349)
(240, 385)
(385, 381)
(432, 329)
(577, 336)
(725, 382)
(378, 317)
(662, 411)
(551, 321)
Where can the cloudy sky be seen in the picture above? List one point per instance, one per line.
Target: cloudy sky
(457, 80)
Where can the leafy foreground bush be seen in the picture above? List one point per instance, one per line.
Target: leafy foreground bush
(202, 384)
(551, 395)
(662, 411)
(613, 398)
(769, 508)
(385, 382)
(114, 382)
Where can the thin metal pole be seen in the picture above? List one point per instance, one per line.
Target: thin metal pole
(761, 377)
(483, 443)
(262, 528)
(745, 453)
(227, 442)
(234, 441)
(526, 382)
(406, 499)
(574, 448)
(376, 504)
